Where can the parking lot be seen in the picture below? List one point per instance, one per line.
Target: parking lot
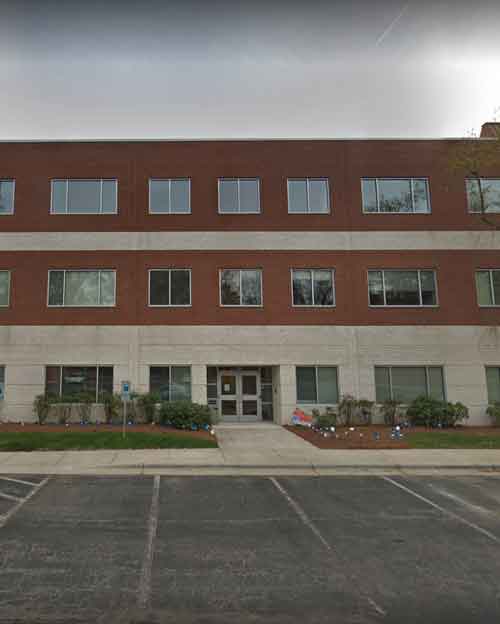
(250, 549)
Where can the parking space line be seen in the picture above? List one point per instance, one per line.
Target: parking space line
(444, 511)
(20, 502)
(459, 500)
(10, 497)
(21, 481)
(310, 524)
(301, 513)
(145, 580)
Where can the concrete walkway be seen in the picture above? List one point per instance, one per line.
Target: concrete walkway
(253, 450)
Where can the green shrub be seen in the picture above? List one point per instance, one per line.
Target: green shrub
(41, 407)
(365, 411)
(390, 411)
(493, 412)
(112, 406)
(84, 402)
(347, 408)
(148, 402)
(326, 420)
(185, 415)
(433, 412)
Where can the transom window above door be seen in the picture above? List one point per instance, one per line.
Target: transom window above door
(239, 195)
(84, 196)
(403, 195)
(402, 287)
(241, 287)
(170, 287)
(313, 287)
(308, 195)
(170, 196)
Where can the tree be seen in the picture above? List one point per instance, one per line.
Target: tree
(475, 156)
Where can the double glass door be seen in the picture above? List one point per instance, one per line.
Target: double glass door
(239, 392)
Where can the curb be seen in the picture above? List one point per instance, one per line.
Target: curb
(491, 467)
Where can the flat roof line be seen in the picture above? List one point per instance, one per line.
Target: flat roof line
(247, 139)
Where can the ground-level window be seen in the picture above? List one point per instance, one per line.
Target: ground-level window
(82, 288)
(172, 383)
(493, 383)
(4, 288)
(71, 381)
(402, 287)
(2, 382)
(488, 287)
(406, 383)
(317, 384)
(241, 287)
(313, 287)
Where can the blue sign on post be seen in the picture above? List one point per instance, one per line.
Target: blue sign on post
(125, 393)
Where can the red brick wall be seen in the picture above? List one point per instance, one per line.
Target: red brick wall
(455, 279)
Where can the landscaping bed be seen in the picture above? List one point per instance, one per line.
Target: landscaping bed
(31, 437)
(363, 437)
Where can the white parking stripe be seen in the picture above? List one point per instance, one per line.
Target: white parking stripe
(10, 497)
(4, 519)
(301, 513)
(21, 481)
(310, 524)
(444, 511)
(145, 580)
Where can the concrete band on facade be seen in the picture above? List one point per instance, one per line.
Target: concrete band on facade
(463, 351)
(250, 241)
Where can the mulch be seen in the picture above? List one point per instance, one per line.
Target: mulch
(362, 437)
(10, 427)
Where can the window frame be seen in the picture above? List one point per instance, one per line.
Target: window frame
(76, 214)
(241, 305)
(494, 367)
(64, 305)
(239, 211)
(377, 195)
(13, 180)
(307, 180)
(9, 287)
(61, 366)
(480, 180)
(169, 180)
(413, 305)
(170, 366)
(427, 383)
(316, 367)
(170, 305)
(492, 289)
(314, 305)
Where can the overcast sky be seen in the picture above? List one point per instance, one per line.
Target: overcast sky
(220, 68)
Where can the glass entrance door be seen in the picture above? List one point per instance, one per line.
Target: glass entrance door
(239, 392)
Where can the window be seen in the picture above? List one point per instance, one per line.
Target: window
(488, 287)
(7, 188)
(170, 196)
(313, 287)
(170, 287)
(83, 197)
(2, 383)
(493, 383)
(239, 195)
(396, 287)
(82, 288)
(4, 289)
(241, 287)
(490, 189)
(400, 195)
(172, 383)
(406, 383)
(69, 381)
(317, 384)
(308, 195)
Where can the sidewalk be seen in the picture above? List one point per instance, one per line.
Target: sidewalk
(257, 450)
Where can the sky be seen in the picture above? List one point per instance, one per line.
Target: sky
(247, 69)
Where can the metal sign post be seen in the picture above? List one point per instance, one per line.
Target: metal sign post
(125, 395)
